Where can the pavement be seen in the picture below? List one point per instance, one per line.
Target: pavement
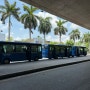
(23, 68)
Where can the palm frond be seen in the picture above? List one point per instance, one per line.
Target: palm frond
(33, 9)
(4, 16)
(1, 11)
(13, 5)
(26, 8)
(2, 7)
(7, 4)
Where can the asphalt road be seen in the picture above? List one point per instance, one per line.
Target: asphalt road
(73, 77)
(27, 66)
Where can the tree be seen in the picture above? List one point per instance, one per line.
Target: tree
(54, 42)
(60, 29)
(6, 12)
(74, 34)
(29, 19)
(86, 39)
(45, 26)
(11, 39)
(69, 42)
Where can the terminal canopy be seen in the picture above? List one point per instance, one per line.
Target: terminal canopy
(76, 11)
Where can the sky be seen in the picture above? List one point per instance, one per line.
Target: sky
(18, 32)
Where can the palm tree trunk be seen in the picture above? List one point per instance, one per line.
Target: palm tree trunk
(9, 25)
(30, 34)
(74, 41)
(44, 39)
(60, 38)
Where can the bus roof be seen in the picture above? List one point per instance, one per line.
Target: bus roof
(21, 43)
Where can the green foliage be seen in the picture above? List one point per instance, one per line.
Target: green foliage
(69, 42)
(86, 40)
(7, 11)
(29, 19)
(11, 39)
(86, 37)
(60, 29)
(45, 26)
(54, 42)
(74, 34)
(88, 46)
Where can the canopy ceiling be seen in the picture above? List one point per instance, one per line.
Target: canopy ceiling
(76, 11)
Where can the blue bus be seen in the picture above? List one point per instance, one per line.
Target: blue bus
(18, 51)
(65, 51)
(48, 51)
(78, 51)
(55, 51)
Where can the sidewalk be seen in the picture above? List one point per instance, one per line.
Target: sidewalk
(18, 69)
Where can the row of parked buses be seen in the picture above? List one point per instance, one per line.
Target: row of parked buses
(19, 51)
(56, 51)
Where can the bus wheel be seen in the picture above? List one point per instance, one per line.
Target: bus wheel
(6, 61)
(36, 59)
(72, 56)
(29, 60)
(62, 57)
(56, 58)
(68, 56)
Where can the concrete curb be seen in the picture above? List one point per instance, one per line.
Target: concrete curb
(7, 76)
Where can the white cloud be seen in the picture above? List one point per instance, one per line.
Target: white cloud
(53, 20)
(17, 38)
(74, 26)
(54, 39)
(3, 26)
(64, 38)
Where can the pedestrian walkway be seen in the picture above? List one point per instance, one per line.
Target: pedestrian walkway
(17, 69)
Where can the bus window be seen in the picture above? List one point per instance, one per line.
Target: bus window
(39, 48)
(33, 49)
(51, 48)
(62, 49)
(44, 47)
(8, 48)
(1, 49)
(21, 48)
(85, 49)
(57, 49)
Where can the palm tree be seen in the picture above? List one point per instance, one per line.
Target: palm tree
(45, 26)
(74, 34)
(6, 12)
(86, 39)
(29, 19)
(60, 29)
